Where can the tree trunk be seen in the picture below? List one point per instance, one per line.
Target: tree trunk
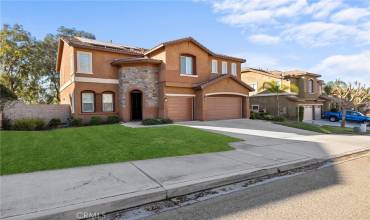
(277, 105)
(343, 122)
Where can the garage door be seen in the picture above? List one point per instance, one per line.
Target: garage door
(317, 112)
(307, 114)
(180, 108)
(223, 108)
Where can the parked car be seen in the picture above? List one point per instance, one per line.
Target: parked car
(350, 116)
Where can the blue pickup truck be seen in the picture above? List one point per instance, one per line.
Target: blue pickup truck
(350, 116)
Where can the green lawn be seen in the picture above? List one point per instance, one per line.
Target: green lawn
(27, 151)
(326, 129)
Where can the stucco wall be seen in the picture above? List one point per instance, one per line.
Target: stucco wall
(18, 110)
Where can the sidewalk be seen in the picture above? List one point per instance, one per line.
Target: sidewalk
(63, 194)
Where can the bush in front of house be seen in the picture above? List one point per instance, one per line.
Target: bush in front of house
(28, 124)
(112, 119)
(76, 122)
(156, 121)
(54, 123)
(261, 116)
(278, 118)
(95, 120)
(300, 113)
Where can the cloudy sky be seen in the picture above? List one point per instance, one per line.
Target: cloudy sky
(329, 37)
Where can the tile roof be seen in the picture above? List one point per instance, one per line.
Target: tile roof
(196, 43)
(100, 45)
(212, 80)
(135, 60)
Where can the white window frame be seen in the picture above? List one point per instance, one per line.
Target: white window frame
(102, 101)
(78, 62)
(224, 67)
(82, 102)
(192, 67)
(258, 108)
(234, 69)
(214, 66)
(310, 90)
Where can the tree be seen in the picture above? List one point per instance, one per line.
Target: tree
(48, 47)
(349, 95)
(27, 66)
(277, 88)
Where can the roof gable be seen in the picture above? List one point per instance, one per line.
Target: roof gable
(190, 39)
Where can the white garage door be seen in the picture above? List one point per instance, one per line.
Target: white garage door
(307, 115)
(317, 112)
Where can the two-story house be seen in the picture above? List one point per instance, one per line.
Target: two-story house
(181, 80)
(309, 93)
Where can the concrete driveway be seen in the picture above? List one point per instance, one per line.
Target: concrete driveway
(270, 136)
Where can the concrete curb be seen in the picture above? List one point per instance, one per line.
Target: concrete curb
(119, 202)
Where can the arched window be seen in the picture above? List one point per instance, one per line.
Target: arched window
(108, 101)
(310, 86)
(87, 101)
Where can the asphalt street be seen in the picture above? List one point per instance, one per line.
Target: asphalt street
(341, 191)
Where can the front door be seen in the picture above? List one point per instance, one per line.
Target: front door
(136, 105)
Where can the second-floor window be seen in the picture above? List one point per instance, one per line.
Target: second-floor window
(224, 67)
(233, 69)
(214, 66)
(84, 62)
(310, 86)
(187, 65)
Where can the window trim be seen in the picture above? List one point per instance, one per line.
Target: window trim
(212, 62)
(113, 101)
(258, 108)
(194, 63)
(94, 104)
(78, 62)
(312, 91)
(222, 67)
(236, 69)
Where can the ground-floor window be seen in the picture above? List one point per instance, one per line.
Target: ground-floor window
(108, 102)
(88, 101)
(255, 108)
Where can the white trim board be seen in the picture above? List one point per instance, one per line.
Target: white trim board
(226, 93)
(96, 80)
(177, 94)
(273, 94)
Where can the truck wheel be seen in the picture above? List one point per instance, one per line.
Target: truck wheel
(332, 119)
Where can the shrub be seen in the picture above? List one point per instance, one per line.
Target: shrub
(76, 122)
(334, 110)
(268, 117)
(7, 125)
(54, 122)
(278, 118)
(95, 120)
(156, 121)
(28, 124)
(300, 113)
(112, 119)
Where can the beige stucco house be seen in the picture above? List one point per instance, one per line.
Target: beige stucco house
(309, 95)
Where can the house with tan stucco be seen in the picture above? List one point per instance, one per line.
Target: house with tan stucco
(309, 94)
(180, 79)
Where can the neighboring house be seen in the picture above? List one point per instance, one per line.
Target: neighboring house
(181, 80)
(309, 96)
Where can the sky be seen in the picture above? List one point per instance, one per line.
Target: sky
(327, 37)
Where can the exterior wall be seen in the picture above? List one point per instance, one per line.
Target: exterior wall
(65, 96)
(101, 64)
(254, 77)
(302, 83)
(17, 110)
(143, 78)
(268, 104)
(98, 89)
(170, 56)
(67, 64)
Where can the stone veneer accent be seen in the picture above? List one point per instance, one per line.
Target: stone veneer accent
(144, 78)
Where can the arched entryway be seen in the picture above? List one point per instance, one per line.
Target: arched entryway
(136, 97)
